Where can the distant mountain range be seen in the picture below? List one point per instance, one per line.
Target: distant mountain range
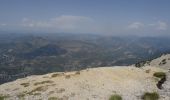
(33, 54)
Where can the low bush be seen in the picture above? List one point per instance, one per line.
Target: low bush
(159, 75)
(150, 96)
(3, 97)
(162, 77)
(53, 98)
(115, 97)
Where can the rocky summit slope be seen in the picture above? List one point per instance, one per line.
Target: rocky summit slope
(163, 62)
(130, 82)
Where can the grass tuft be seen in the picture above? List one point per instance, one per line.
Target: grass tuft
(53, 98)
(159, 75)
(2, 97)
(150, 96)
(38, 89)
(115, 97)
(43, 82)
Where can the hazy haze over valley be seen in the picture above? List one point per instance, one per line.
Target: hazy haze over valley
(31, 54)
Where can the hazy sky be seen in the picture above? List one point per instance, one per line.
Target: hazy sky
(137, 17)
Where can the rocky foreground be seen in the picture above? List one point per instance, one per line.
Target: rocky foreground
(163, 62)
(130, 82)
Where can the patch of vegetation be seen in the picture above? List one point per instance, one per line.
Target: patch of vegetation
(162, 77)
(115, 97)
(25, 84)
(140, 64)
(43, 82)
(2, 97)
(150, 96)
(53, 98)
(163, 62)
(143, 63)
(159, 74)
(38, 89)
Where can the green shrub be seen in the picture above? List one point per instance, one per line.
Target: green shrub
(53, 98)
(150, 96)
(159, 75)
(162, 77)
(115, 97)
(3, 97)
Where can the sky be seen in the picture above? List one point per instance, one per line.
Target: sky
(107, 17)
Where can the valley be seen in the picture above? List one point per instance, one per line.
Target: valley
(22, 55)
